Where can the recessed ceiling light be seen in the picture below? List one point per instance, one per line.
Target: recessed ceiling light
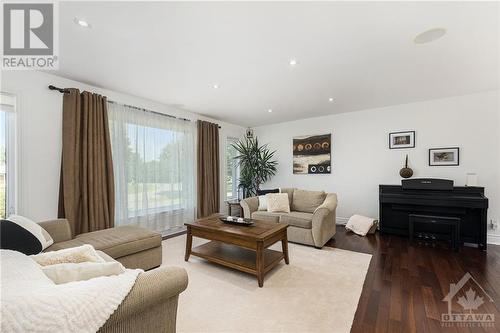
(216, 86)
(293, 62)
(270, 110)
(81, 22)
(429, 36)
(330, 99)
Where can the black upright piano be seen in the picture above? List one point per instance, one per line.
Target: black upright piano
(436, 197)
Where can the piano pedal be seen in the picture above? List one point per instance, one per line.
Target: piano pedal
(426, 239)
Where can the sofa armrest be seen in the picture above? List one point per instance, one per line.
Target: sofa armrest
(150, 289)
(324, 220)
(58, 229)
(330, 204)
(249, 206)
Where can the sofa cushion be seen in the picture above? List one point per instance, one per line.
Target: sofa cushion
(64, 273)
(116, 242)
(105, 257)
(75, 255)
(307, 201)
(288, 191)
(267, 216)
(77, 264)
(298, 219)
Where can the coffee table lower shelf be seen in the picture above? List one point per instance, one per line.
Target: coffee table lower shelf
(237, 257)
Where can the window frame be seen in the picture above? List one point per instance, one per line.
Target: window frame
(8, 104)
(235, 172)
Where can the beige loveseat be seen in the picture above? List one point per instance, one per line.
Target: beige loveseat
(134, 247)
(311, 219)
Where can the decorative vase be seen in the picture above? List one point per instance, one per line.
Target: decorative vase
(406, 172)
(471, 179)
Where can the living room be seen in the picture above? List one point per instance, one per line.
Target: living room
(250, 166)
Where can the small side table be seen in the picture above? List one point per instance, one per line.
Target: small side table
(235, 203)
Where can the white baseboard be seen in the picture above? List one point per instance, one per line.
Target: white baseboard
(493, 239)
(342, 220)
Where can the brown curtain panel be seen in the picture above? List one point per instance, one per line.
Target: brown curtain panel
(208, 169)
(86, 195)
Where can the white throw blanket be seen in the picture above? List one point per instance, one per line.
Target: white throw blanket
(360, 224)
(33, 303)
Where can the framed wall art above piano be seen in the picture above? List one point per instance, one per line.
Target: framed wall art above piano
(444, 156)
(436, 197)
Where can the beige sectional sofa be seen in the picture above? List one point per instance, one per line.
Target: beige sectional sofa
(311, 219)
(151, 305)
(134, 247)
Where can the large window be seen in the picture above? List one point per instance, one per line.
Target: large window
(232, 170)
(153, 160)
(7, 154)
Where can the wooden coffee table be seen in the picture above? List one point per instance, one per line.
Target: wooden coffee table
(244, 248)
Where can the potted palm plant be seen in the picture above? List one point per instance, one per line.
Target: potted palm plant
(256, 165)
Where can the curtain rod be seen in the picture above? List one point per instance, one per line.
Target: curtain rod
(62, 90)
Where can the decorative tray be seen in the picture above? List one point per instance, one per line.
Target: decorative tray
(235, 221)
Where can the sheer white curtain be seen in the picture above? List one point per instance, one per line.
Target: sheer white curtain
(154, 166)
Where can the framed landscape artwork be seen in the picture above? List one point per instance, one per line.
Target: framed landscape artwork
(312, 154)
(444, 156)
(399, 140)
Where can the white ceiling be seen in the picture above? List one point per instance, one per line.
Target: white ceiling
(360, 53)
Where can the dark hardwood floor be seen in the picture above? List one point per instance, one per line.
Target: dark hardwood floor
(406, 283)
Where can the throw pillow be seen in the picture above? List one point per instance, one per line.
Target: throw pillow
(262, 203)
(278, 203)
(64, 273)
(307, 201)
(104, 256)
(21, 234)
(72, 255)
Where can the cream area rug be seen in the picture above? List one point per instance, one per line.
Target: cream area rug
(317, 292)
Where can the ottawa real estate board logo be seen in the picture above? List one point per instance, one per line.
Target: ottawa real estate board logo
(30, 36)
(468, 305)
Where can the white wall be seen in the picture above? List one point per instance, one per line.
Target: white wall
(39, 135)
(362, 160)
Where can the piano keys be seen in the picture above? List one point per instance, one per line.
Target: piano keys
(436, 197)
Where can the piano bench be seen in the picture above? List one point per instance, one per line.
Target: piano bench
(453, 222)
